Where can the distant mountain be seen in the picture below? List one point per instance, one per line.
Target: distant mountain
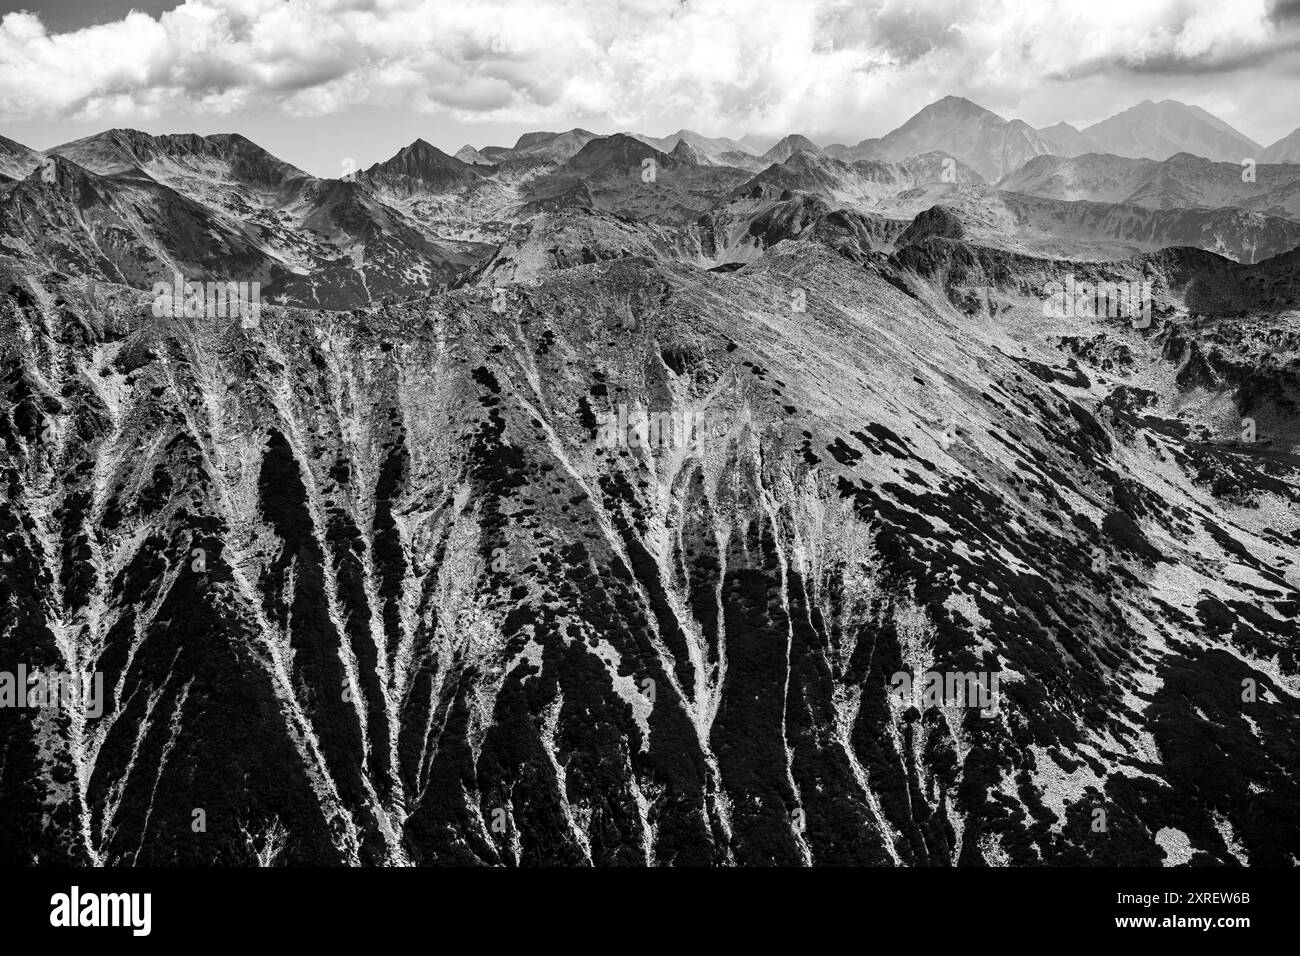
(1183, 181)
(756, 143)
(221, 207)
(935, 167)
(978, 137)
(224, 168)
(619, 151)
(693, 155)
(1285, 150)
(420, 167)
(540, 145)
(112, 151)
(712, 147)
(1067, 140)
(558, 147)
(741, 160)
(422, 217)
(126, 229)
(832, 179)
(1095, 231)
(788, 146)
(468, 154)
(17, 160)
(1099, 177)
(814, 173)
(1159, 130)
(614, 173)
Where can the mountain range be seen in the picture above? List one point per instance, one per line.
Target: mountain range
(129, 205)
(597, 500)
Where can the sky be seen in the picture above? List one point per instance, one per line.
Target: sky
(321, 83)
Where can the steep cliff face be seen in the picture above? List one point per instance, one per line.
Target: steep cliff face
(620, 566)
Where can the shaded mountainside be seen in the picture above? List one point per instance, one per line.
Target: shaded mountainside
(386, 586)
(627, 176)
(862, 181)
(16, 160)
(126, 228)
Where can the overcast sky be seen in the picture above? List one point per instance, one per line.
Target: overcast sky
(318, 82)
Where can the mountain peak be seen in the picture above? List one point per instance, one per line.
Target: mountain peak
(418, 167)
(1160, 130)
(788, 145)
(422, 149)
(958, 105)
(558, 147)
(468, 154)
(983, 140)
(1285, 150)
(616, 150)
(688, 153)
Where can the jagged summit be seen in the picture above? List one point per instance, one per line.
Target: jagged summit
(420, 167)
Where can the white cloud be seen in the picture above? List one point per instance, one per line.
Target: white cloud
(776, 64)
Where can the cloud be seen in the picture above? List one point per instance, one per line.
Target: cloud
(780, 64)
(1284, 11)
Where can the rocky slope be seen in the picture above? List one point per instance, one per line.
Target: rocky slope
(16, 160)
(411, 584)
